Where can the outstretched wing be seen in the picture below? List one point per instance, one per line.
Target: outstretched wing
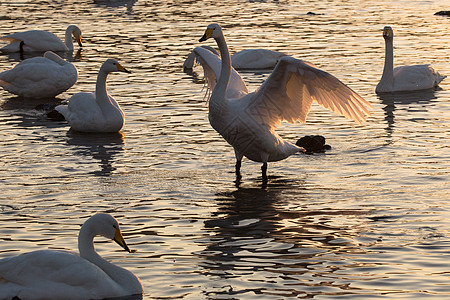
(212, 64)
(288, 93)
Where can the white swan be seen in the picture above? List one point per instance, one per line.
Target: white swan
(40, 40)
(40, 77)
(254, 59)
(95, 112)
(404, 78)
(52, 274)
(248, 122)
(249, 59)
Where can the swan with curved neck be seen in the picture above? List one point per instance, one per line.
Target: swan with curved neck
(41, 40)
(51, 274)
(248, 121)
(40, 77)
(404, 78)
(95, 112)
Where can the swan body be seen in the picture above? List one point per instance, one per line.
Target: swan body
(51, 274)
(248, 122)
(40, 40)
(249, 59)
(40, 77)
(404, 78)
(95, 112)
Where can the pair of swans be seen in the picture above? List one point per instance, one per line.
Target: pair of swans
(40, 77)
(50, 75)
(51, 274)
(247, 121)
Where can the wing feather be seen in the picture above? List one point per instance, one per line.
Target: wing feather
(294, 85)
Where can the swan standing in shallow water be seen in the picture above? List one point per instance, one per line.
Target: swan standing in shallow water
(51, 274)
(40, 77)
(40, 40)
(95, 112)
(404, 78)
(247, 121)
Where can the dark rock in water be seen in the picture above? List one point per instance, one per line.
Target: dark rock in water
(310, 13)
(443, 13)
(313, 144)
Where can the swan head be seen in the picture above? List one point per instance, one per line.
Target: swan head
(76, 32)
(212, 31)
(112, 65)
(388, 33)
(107, 226)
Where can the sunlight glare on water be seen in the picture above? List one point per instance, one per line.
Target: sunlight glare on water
(366, 220)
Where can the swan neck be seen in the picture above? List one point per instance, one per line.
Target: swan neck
(101, 93)
(121, 276)
(68, 39)
(225, 72)
(388, 71)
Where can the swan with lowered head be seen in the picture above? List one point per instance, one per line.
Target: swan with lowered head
(40, 40)
(98, 111)
(404, 78)
(248, 121)
(40, 77)
(52, 274)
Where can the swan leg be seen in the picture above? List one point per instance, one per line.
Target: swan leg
(238, 166)
(264, 172)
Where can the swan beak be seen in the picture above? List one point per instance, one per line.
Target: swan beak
(79, 43)
(122, 69)
(207, 35)
(118, 238)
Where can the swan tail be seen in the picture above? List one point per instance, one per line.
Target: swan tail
(440, 78)
(63, 110)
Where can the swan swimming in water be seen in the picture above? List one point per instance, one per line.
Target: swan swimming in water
(52, 274)
(41, 40)
(40, 77)
(404, 78)
(248, 59)
(247, 121)
(98, 111)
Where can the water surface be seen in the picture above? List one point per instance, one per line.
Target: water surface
(366, 220)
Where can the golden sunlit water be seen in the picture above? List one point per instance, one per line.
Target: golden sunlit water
(368, 219)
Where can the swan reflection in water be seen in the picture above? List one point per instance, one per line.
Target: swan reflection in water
(100, 146)
(281, 233)
(403, 101)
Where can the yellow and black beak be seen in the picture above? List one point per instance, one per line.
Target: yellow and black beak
(207, 35)
(122, 69)
(79, 43)
(118, 238)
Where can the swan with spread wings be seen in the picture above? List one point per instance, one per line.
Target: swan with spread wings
(247, 121)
